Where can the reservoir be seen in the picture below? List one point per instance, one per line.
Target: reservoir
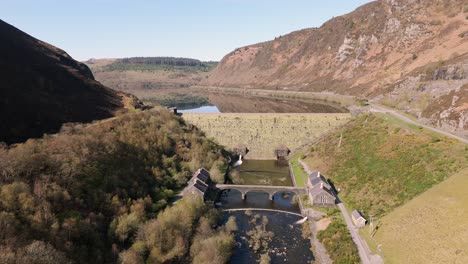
(229, 103)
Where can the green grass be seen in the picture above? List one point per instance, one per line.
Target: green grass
(338, 241)
(383, 163)
(433, 225)
(299, 174)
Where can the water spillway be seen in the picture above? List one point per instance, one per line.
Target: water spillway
(262, 133)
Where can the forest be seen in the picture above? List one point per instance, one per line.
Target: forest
(160, 63)
(100, 193)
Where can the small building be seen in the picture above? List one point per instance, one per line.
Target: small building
(320, 192)
(282, 152)
(315, 178)
(172, 109)
(358, 220)
(198, 184)
(202, 175)
(197, 188)
(240, 149)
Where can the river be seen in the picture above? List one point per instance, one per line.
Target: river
(287, 244)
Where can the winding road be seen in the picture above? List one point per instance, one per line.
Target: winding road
(379, 109)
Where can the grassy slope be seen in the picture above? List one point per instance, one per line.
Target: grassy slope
(383, 163)
(299, 173)
(437, 217)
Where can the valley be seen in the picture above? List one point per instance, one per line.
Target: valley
(345, 142)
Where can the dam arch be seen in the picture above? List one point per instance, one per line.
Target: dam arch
(263, 133)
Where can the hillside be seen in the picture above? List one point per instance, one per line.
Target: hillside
(378, 150)
(90, 192)
(42, 87)
(151, 79)
(408, 178)
(435, 217)
(408, 54)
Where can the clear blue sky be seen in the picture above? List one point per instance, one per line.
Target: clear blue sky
(202, 29)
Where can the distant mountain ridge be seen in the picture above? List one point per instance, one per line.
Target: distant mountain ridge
(154, 63)
(392, 51)
(42, 87)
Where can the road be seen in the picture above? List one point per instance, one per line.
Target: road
(378, 109)
(366, 256)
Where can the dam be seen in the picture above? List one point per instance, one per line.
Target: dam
(263, 133)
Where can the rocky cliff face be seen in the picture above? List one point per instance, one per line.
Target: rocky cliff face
(364, 53)
(42, 87)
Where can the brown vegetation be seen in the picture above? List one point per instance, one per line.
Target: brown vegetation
(364, 53)
(88, 192)
(43, 87)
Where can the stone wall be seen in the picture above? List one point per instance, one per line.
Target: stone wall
(263, 132)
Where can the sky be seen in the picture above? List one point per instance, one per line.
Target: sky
(200, 29)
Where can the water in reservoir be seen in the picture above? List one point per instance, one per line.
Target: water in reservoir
(229, 103)
(262, 172)
(201, 109)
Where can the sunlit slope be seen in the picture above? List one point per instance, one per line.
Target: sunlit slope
(431, 228)
(380, 163)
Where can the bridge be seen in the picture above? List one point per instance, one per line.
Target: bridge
(271, 190)
(263, 209)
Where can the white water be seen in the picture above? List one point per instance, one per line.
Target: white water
(298, 222)
(239, 162)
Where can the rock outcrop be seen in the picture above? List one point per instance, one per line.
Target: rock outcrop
(367, 53)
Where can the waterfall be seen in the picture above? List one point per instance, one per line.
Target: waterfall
(301, 221)
(239, 162)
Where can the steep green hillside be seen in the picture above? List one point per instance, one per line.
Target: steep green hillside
(382, 163)
(83, 194)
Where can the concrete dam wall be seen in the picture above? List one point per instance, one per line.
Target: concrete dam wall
(262, 133)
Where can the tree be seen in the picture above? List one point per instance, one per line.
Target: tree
(265, 259)
(231, 225)
(39, 252)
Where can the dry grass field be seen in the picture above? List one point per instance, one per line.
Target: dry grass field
(262, 133)
(431, 228)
